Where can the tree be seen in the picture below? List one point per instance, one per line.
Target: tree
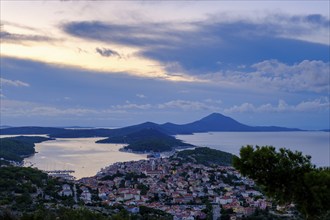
(288, 177)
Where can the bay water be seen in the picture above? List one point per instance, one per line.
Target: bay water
(86, 157)
(315, 143)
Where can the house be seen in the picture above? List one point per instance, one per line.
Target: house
(86, 196)
(153, 172)
(249, 210)
(66, 190)
(133, 209)
(224, 200)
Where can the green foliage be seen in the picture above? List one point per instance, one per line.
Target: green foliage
(18, 184)
(146, 140)
(112, 177)
(262, 215)
(154, 214)
(144, 188)
(318, 190)
(288, 177)
(205, 156)
(155, 145)
(64, 214)
(134, 176)
(20, 178)
(7, 215)
(15, 148)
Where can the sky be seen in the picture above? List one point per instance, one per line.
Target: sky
(119, 63)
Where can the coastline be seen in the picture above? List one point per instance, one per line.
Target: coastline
(80, 154)
(164, 153)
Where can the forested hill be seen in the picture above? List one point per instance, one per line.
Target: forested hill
(148, 139)
(16, 148)
(205, 156)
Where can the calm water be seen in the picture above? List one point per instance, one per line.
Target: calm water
(80, 154)
(86, 157)
(315, 144)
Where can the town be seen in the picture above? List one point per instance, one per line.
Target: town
(182, 189)
(190, 184)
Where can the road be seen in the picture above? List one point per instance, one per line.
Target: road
(75, 193)
(216, 211)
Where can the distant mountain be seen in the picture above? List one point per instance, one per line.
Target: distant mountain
(30, 130)
(212, 122)
(147, 139)
(4, 126)
(79, 133)
(218, 122)
(103, 132)
(76, 127)
(136, 128)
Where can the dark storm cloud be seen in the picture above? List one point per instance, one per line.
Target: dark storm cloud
(134, 35)
(210, 46)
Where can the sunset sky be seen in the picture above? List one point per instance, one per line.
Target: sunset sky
(118, 63)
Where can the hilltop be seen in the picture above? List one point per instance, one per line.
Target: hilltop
(218, 122)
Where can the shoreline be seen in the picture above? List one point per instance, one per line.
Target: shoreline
(175, 149)
(80, 154)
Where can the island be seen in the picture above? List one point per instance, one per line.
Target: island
(147, 140)
(214, 122)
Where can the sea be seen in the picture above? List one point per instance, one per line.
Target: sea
(87, 158)
(82, 155)
(313, 143)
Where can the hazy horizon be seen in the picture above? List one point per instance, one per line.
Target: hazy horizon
(114, 127)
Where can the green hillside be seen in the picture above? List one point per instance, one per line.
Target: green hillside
(205, 156)
(146, 140)
(16, 148)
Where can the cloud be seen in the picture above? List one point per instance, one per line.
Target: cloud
(304, 106)
(133, 106)
(162, 33)
(16, 83)
(314, 19)
(10, 37)
(20, 33)
(187, 105)
(297, 27)
(24, 108)
(141, 96)
(107, 52)
(15, 108)
(308, 75)
(214, 101)
(235, 42)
